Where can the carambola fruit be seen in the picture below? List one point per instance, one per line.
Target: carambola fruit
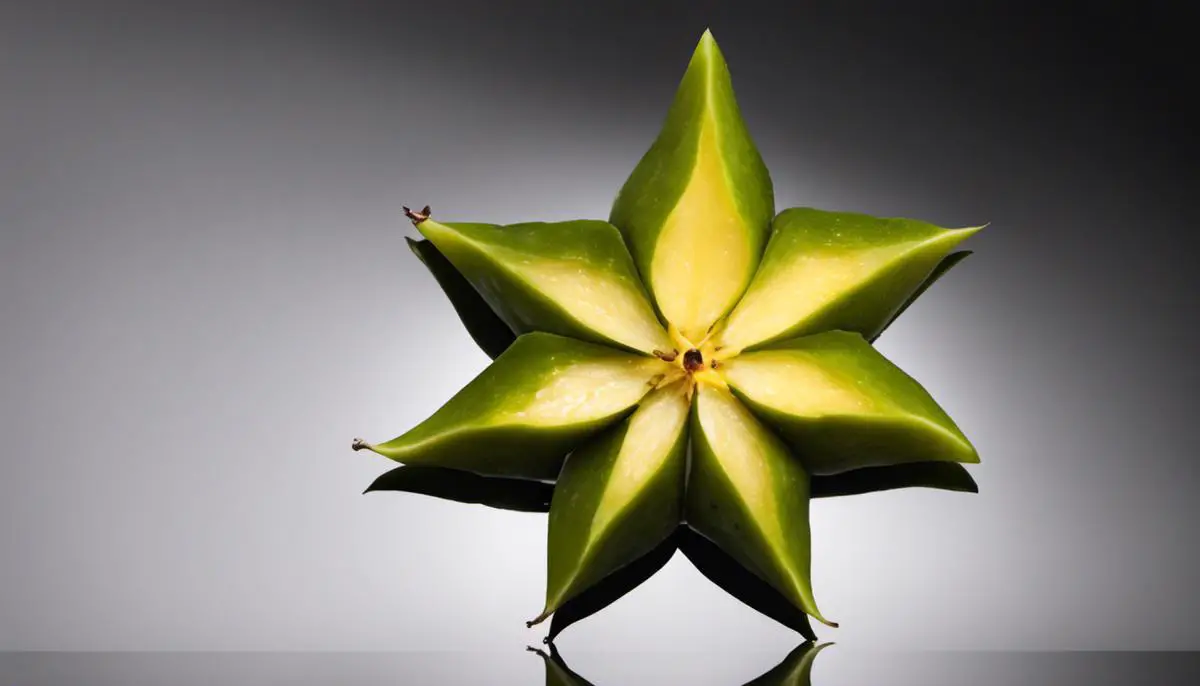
(687, 375)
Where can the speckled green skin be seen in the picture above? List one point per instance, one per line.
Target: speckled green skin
(651, 517)
(653, 189)
(870, 307)
(593, 244)
(715, 509)
(460, 434)
(835, 443)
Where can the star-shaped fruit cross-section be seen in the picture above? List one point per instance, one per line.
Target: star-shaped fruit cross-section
(696, 361)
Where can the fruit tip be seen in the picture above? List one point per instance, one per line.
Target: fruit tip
(416, 217)
(537, 620)
(706, 51)
(360, 444)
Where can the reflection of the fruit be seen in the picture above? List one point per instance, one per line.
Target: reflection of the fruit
(795, 670)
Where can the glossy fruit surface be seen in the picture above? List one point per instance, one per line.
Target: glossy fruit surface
(687, 375)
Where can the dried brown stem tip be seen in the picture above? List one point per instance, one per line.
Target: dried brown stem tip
(359, 444)
(417, 217)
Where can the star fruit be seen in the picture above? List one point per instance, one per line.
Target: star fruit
(687, 375)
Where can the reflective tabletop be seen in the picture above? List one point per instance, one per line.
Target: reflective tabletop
(819, 664)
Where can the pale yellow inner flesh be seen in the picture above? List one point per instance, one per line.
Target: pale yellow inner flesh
(596, 299)
(586, 391)
(703, 258)
(805, 285)
(796, 384)
(653, 430)
(739, 441)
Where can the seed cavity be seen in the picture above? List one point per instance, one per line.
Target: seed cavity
(693, 361)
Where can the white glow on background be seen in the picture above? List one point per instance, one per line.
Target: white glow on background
(206, 295)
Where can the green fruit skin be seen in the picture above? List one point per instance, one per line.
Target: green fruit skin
(594, 244)
(868, 308)
(459, 436)
(654, 187)
(832, 444)
(715, 509)
(650, 518)
(488, 330)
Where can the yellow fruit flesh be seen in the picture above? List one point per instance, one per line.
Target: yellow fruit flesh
(735, 437)
(809, 282)
(598, 301)
(702, 260)
(653, 431)
(794, 384)
(732, 433)
(584, 391)
(760, 472)
(789, 383)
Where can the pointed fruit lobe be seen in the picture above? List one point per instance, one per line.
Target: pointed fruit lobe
(834, 270)
(618, 497)
(749, 496)
(841, 405)
(572, 278)
(697, 208)
(544, 396)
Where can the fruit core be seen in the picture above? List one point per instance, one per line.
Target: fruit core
(698, 363)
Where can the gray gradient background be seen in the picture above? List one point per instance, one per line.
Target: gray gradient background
(205, 293)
